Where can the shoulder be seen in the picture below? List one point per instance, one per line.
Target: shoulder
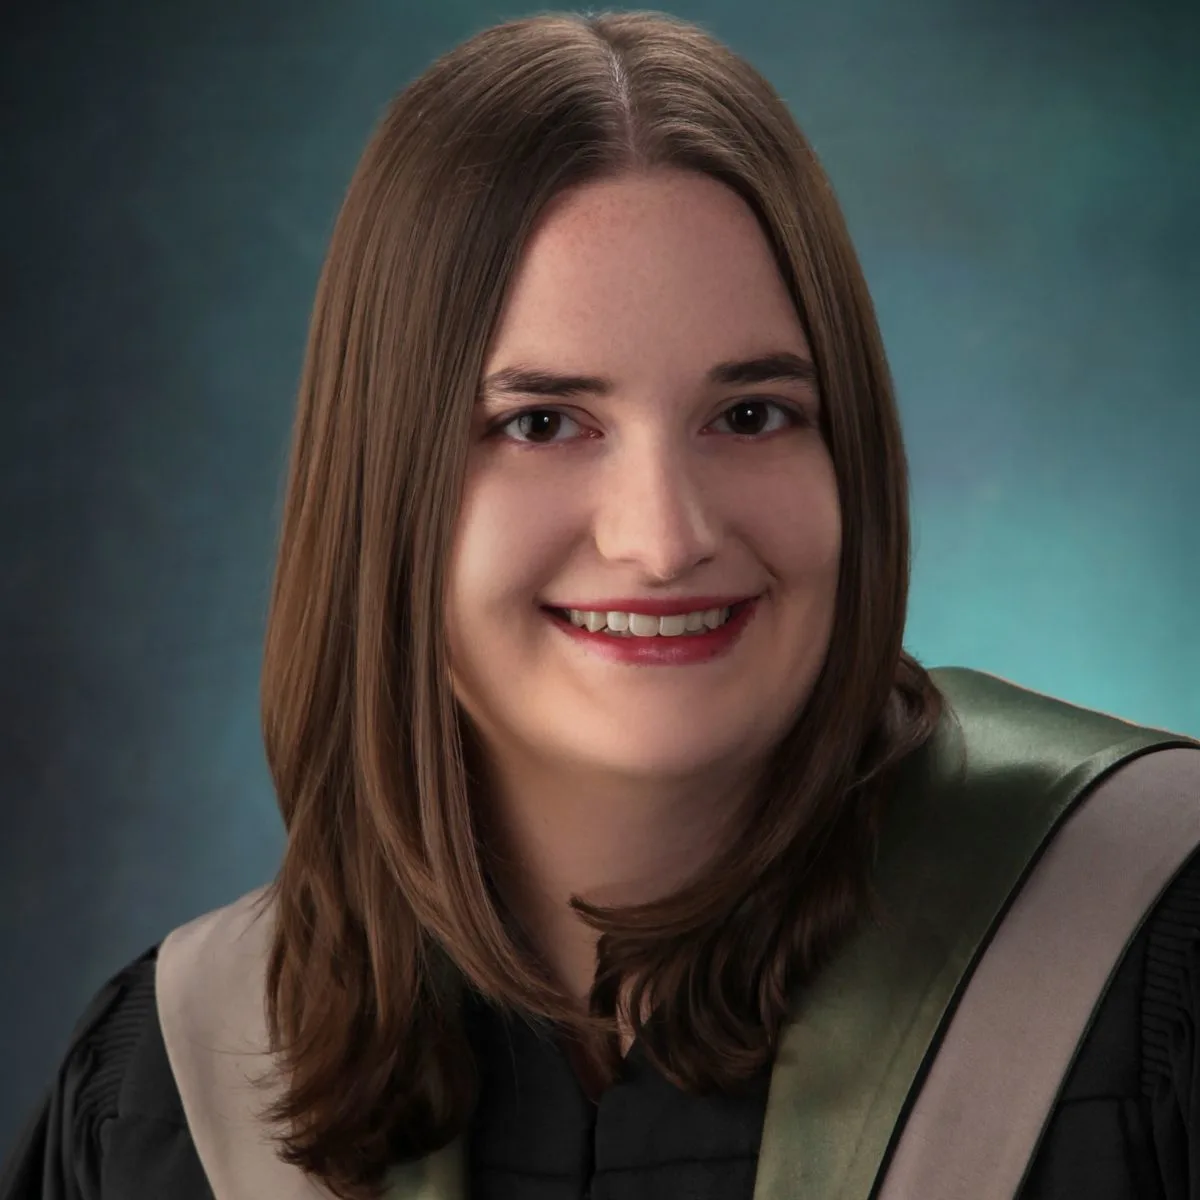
(1170, 996)
(118, 1034)
(116, 1121)
(138, 1055)
(1132, 1047)
(112, 1114)
(1129, 1088)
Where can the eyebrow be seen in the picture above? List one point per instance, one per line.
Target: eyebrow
(779, 366)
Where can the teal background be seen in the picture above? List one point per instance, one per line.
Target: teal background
(1022, 181)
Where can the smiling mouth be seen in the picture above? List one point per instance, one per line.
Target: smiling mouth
(638, 625)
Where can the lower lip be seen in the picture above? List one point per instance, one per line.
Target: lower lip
(680, 651)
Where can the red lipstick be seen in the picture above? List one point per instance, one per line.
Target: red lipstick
(683, 650)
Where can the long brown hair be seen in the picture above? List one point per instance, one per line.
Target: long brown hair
(385, 913)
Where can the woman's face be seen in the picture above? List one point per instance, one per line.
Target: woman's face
(662, 490)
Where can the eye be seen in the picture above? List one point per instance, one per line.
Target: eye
(751, 418)
(546, 426)
(534, 426)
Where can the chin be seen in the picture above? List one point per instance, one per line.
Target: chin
(650, 754)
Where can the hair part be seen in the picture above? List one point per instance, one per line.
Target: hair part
(384, 912)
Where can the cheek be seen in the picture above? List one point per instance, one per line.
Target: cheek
(795, 522)
(507, 539)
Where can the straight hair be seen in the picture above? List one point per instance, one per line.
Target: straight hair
(386, 918)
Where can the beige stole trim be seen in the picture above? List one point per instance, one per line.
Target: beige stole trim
(979, 1116)
(210, 980)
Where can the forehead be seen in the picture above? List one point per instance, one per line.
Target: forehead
(648, 267)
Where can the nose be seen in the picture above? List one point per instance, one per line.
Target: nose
(654, 516)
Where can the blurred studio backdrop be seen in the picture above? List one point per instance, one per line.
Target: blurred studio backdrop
(1022, 180)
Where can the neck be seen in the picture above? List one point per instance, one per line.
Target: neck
(558, 834)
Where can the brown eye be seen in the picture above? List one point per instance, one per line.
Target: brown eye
(539, 426)
(536, 426)
(749, 418)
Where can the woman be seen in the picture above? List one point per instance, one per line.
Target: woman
(587, 708)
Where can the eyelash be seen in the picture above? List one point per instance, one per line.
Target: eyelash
(796, 418)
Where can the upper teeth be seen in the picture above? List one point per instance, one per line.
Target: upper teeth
(641, 625)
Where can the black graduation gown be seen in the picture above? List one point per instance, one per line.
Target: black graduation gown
(1125, 1127)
